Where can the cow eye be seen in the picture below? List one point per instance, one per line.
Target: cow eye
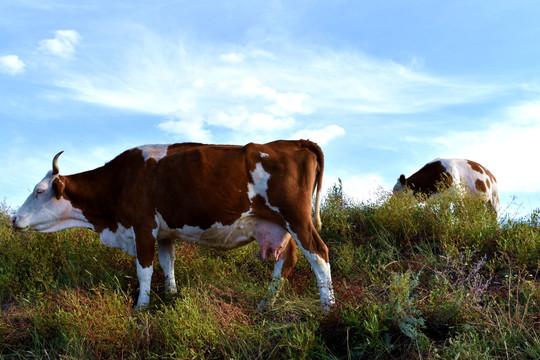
(39, 191)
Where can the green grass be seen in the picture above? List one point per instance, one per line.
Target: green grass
(440, 280)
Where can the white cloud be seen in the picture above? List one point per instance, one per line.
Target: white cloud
(320, 136)
(63, 44)
(190, 127)
(289, 103)
(241, 119)
(359, 188)
(279, 104)
(508, 147)
(233, 58)
(11, 64)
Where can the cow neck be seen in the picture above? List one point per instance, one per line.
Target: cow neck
(93, 192)
(426, 180)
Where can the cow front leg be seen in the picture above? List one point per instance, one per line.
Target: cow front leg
(282, 268)
(166, 260)
(145, 281)
(145, 243)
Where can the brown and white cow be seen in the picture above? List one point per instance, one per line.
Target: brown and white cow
(219, 196)
(447, 172)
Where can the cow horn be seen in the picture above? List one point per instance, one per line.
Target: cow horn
(55, 170)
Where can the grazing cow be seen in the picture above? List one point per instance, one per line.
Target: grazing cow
(218, 196)
(446, 172)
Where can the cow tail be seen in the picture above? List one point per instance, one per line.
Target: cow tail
(318, 183)
(318, 222)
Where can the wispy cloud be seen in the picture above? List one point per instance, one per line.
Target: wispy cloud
(62, 45)
(11, 64)
(251, 88)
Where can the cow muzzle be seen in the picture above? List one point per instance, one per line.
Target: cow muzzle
(15, 224)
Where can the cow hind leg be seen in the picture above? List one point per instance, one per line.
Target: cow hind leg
(282, 268)
(316, 252)
(166, 260)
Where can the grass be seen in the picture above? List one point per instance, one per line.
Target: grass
(437, 279)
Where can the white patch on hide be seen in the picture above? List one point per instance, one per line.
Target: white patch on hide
(260, 185)
(122, 238)
(464, 179)
(218, 236)
(156, 152)
(270, 236)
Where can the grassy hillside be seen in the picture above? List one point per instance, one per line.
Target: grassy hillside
(441, 280)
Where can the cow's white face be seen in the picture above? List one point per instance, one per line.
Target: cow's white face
(46, 211)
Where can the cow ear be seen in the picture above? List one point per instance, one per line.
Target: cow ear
(402, 179)
(58, 186)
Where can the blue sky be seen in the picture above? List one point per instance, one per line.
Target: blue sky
(382, 86)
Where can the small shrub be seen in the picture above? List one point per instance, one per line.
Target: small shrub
(344, 259)
(521, 241)
(463, 273)
(398, 215)
(367, 330)
(299, 341)
(335, 211)
(402, 309)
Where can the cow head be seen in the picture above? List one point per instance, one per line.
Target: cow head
(45, 210)
(401, 184)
